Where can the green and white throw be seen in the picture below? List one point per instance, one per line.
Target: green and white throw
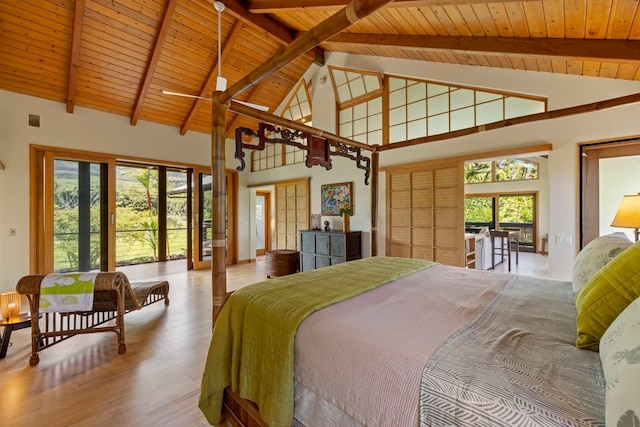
(67, 292)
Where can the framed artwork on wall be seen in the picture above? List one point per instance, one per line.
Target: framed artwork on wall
(336, 197)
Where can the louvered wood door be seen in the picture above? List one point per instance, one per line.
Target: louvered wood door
(425, 212)
(292, 212)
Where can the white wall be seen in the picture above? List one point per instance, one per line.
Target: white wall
(102, 132)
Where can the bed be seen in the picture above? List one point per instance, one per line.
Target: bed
(409, 343)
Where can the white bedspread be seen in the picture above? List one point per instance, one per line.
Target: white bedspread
(374, 384)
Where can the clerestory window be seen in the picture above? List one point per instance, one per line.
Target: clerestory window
(298, 109)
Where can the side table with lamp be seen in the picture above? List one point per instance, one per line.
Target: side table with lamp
(12, 319)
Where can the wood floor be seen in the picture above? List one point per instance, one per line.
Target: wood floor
(85, 382)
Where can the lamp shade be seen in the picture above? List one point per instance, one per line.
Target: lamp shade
(628, 215)
(10, 304)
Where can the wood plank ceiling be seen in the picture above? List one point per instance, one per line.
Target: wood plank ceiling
(118, 55)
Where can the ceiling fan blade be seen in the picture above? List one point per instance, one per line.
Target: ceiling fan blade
(168, 92)
(251, 105)
(248, 104)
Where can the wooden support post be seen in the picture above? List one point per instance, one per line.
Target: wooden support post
(218, 205)
(375, 158)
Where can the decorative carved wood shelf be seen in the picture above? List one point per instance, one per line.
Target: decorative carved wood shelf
(319, 150)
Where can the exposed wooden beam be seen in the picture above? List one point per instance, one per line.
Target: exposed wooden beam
(275, 6)
(555, 114)
(354, 12)
(209, 83)
(627, 51)
(153, 62)
(290, 124)
(234, 119)
(75, 55)
(282, 33)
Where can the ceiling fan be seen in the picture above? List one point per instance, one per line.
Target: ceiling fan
(221, 82)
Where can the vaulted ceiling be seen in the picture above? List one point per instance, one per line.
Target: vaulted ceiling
(119, 55)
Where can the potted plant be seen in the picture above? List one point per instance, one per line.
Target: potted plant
(345, 213)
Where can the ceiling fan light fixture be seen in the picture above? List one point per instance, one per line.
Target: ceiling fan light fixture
(221, 84)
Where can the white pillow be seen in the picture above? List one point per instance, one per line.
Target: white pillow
(620, 356)
(595, 255)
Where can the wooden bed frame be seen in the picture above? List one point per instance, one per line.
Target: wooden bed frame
(240, 412)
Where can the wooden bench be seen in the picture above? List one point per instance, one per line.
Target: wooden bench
(113, 297)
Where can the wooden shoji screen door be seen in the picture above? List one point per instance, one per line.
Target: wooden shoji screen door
(292, 212)
(425, 211)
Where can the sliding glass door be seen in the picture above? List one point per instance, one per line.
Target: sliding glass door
(518, 211)
(93, 211)
(203, 231)
(79, 215)
(72, 222)
(503, 211)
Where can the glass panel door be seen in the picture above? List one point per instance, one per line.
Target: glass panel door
(203, 232)
(518, 212)
(262, 222)
(203, 198)
(260, 238)
(177, 241)
(79, 214)
(137, 232)
(478, 213)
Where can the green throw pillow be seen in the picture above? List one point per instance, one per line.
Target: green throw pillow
(605, 295)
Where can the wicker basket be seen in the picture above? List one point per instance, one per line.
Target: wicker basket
(280, 262)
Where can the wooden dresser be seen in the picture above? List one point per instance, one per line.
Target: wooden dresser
(323, 248)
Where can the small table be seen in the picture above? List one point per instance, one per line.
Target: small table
(12, 324)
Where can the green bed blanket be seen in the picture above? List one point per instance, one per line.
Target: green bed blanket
(253, 339)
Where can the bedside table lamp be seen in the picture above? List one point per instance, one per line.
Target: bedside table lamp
(628, 215)
(10, 304)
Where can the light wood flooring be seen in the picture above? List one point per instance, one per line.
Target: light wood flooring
(85, 382)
